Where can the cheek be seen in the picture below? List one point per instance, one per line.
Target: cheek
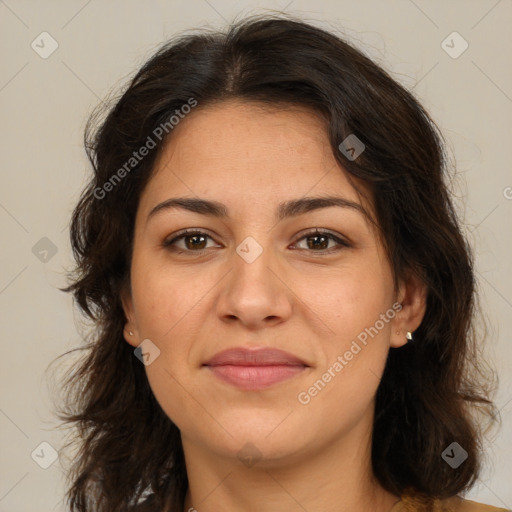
(344, 384)
(356, 304)
(350, 299)
(166, 299)
(168, 310)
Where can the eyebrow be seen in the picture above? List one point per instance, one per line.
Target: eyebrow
(285, 209)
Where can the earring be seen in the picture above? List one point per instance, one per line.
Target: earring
(130, 333)
(409, 335)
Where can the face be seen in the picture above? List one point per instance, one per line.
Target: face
(313, 282)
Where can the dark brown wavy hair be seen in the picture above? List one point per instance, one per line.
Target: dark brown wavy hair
(434, 391)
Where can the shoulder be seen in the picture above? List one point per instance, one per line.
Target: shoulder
(458, 504)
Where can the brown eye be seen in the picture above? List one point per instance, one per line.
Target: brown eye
(318, 241)
(192, 241)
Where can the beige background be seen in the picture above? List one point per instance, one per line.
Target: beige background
(44, 105)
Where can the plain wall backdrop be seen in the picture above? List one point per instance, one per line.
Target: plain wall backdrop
(61, 58)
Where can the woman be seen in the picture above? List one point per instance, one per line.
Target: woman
(283, 297)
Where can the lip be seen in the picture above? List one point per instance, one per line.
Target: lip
(254, 369)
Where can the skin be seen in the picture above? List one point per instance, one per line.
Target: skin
(311, 302)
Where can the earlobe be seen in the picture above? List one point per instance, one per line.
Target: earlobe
(413, 295)
(130, 331)
(130, 336)
(399, 338)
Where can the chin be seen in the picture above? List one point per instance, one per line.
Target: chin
(261, 451)
(253, 440)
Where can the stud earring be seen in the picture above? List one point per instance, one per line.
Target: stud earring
(409, 335)
(130, 333)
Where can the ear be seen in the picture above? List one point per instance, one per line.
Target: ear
(130, 332)
(412, 295)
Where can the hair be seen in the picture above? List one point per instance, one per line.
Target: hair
(431, 388)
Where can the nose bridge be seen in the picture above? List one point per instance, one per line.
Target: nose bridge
(252, 265)
(254, 292)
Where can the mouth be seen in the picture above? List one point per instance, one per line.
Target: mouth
(255, 369)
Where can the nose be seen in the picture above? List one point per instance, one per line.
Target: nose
(254, 293)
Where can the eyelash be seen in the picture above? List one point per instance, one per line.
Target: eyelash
(168, 244)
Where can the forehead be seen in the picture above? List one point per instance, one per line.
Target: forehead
(250, 154)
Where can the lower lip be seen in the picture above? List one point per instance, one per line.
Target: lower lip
(255, 377)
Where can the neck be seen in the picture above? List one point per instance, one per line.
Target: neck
(336, 478)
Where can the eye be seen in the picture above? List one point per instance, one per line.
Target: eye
(318, 241)
(194, 241)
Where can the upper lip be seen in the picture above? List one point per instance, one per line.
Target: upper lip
(254, 357)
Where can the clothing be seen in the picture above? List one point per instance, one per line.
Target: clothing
(412, 501)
